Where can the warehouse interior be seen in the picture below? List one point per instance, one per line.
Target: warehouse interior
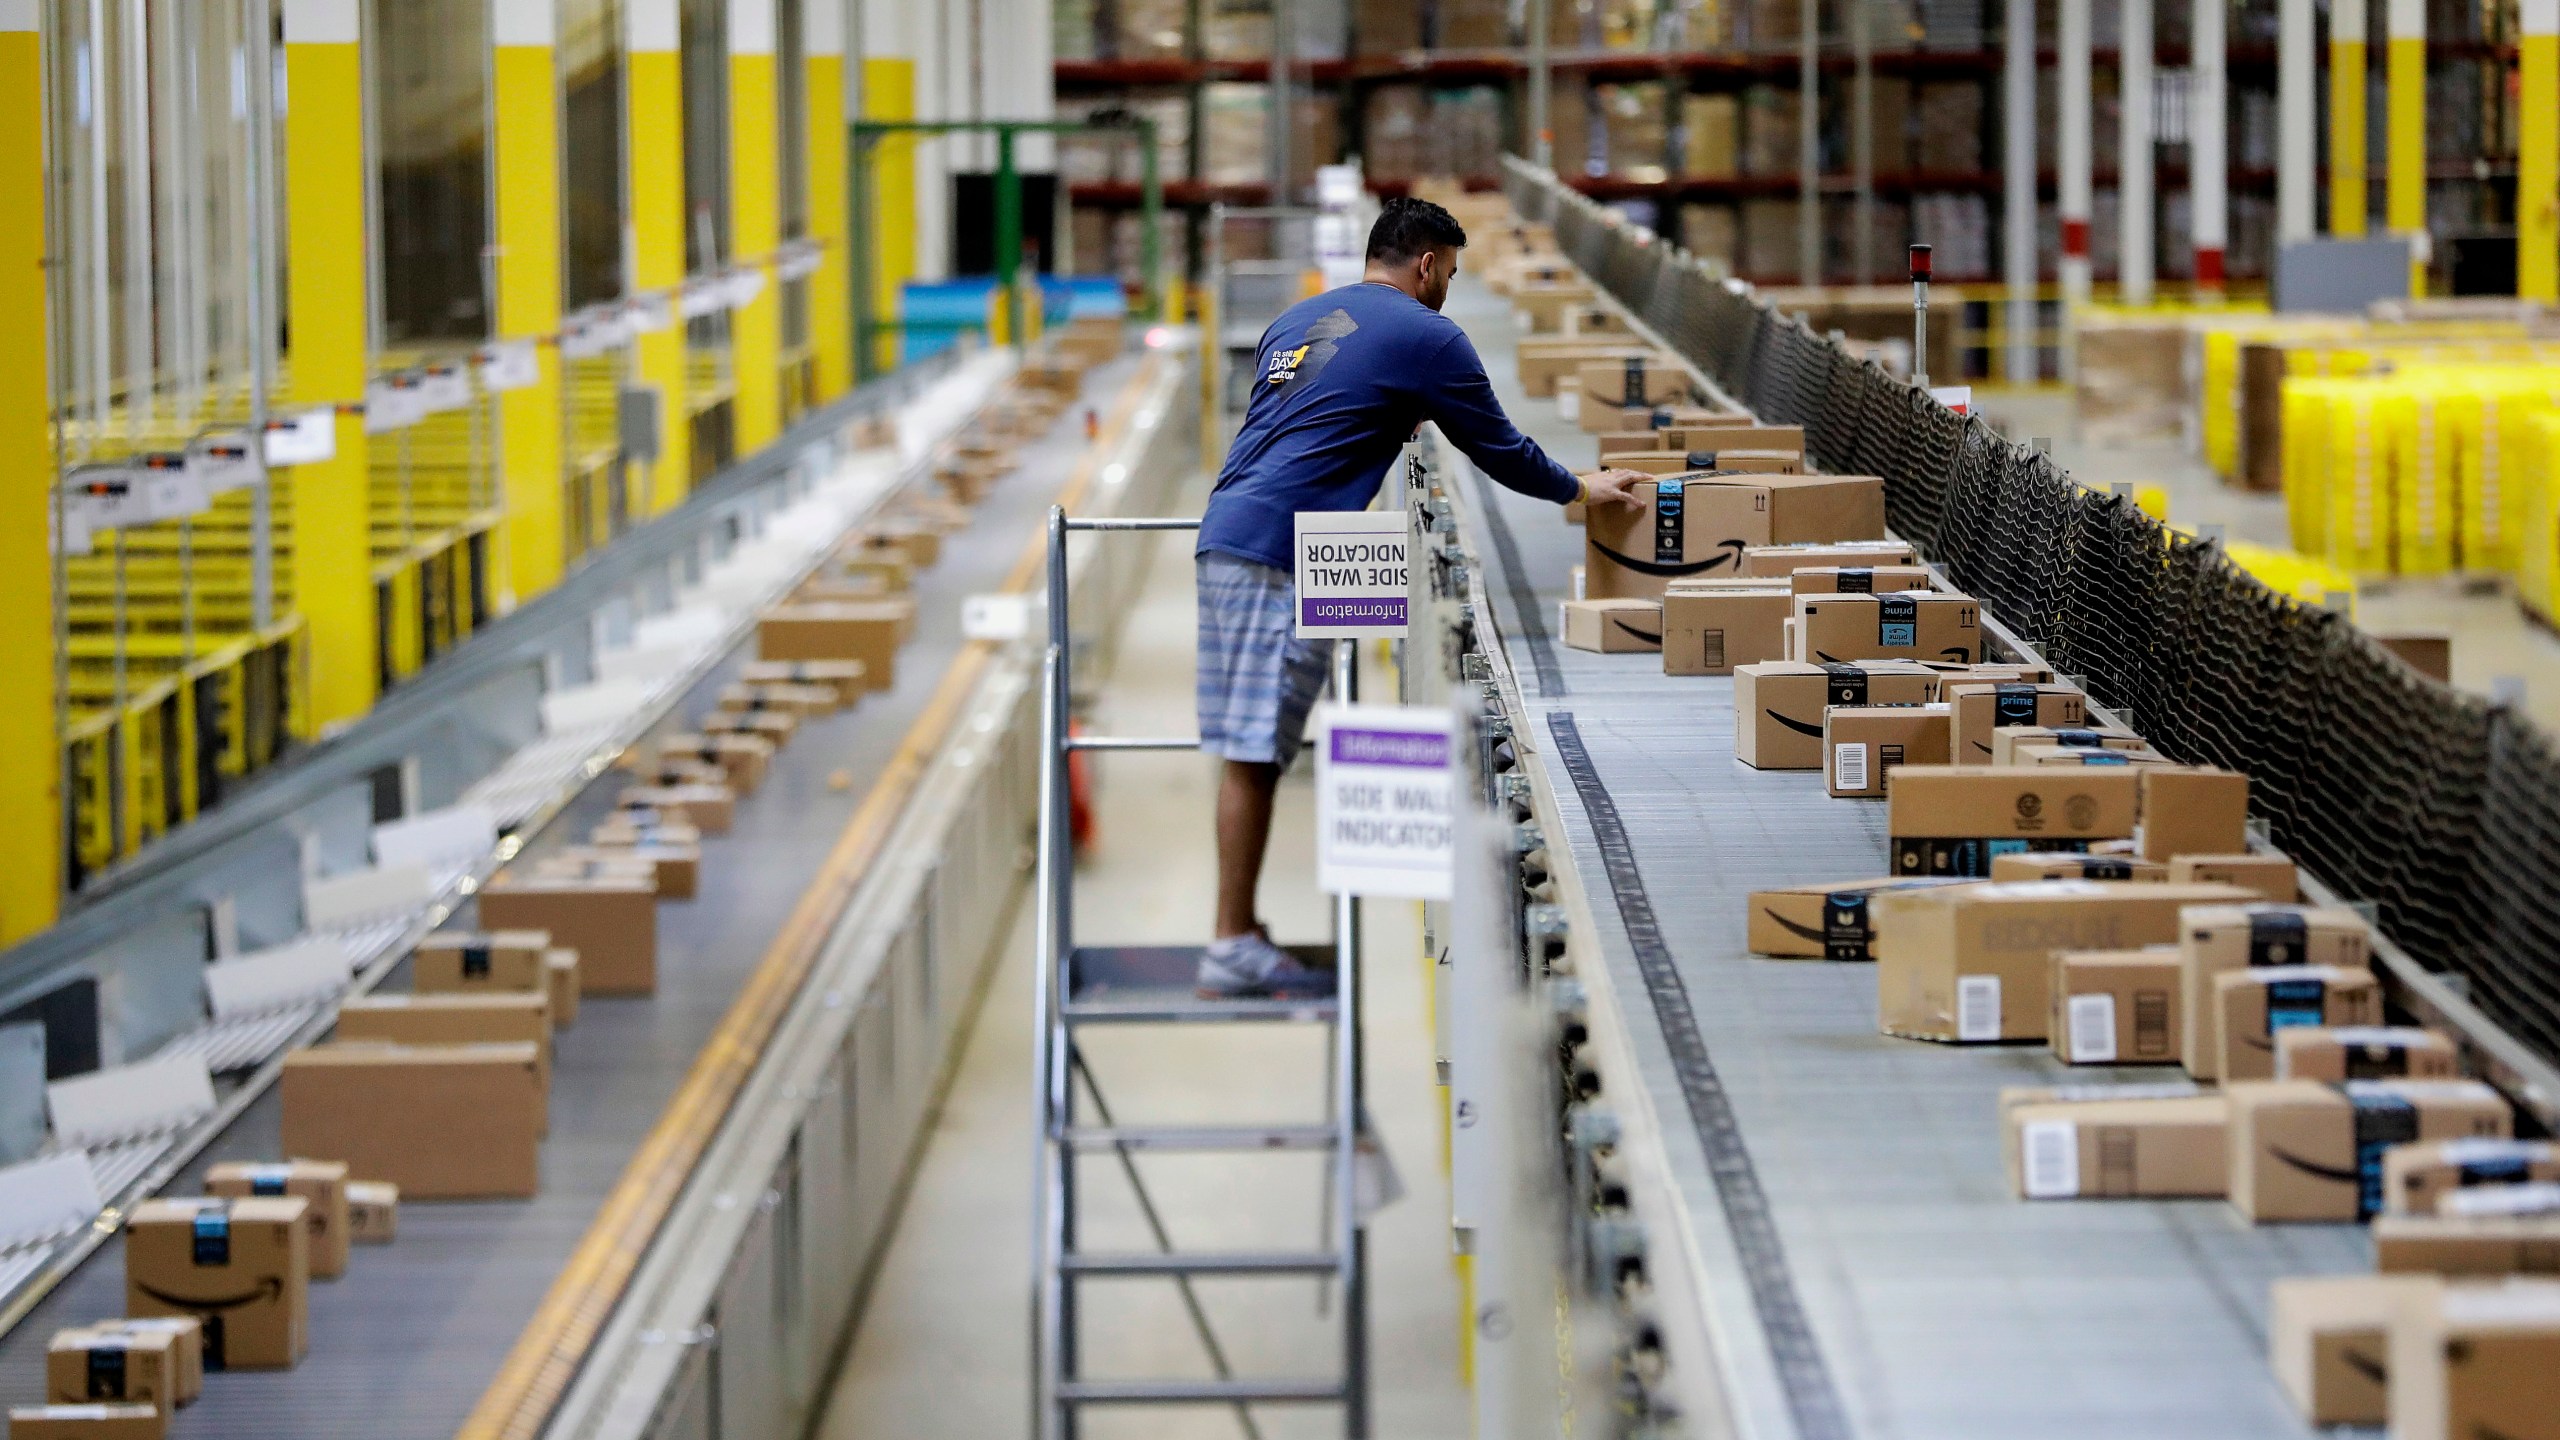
(617, 612)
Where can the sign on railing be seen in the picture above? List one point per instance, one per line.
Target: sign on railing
(1383, 786)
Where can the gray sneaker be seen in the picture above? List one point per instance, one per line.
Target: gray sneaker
(1250, 967)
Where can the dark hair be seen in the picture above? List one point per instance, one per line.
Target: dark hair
(1407, 227)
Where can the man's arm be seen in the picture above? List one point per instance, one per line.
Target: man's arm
(1457, 396)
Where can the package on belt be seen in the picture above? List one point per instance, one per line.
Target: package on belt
(674, 871)
(1613, 627)
(2301, 1150)
(2148, 1147)
(611, 922)
(2272, 876)
(1974, 963)
(1638, 380)
(1686, 430)
(2193, 810)
(1783, 561)
(1707, 464)
(320, 1184)
(1983, 707)
(512, 1017)
(1833, 921)
(2477, 1245)
(771, 726)
(1547, 362)
(2005, 739)
(242, 1268)
(2253, 1006)
(480, 960)
(1677, 530)
(1957, 819)
(2416, 1178)
(709, 808)
(2065, 865)
(1858, 579)
(2115, 1007)
(2327, 1341)
(373, 1212)
(114, 1366)
(442, 1122)
(742, 760)
(799, 701)
(2472, 1361)
(1866, 744)
(2220, 938)
(868, 631)
(1778, 704)
(185, 1334)
(1925, 625)
(846, 677)
(562, 983)
(1711, 629)
(2365, 1052)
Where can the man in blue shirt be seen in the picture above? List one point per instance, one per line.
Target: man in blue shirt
(1343, 381)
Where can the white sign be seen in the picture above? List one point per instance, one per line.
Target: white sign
(701, 298)
(445, 388)
(225, 462)
(1384, 776)
(1958, 398)
(741, 287)
(649, 314)
(1351, 574)
(393, 403)
(1337, 186)
(995, 617)
(310, 438)
(510, 365)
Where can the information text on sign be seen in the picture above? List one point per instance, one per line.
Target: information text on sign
(1382, 800)
(1351, 574)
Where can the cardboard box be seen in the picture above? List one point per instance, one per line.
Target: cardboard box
(1859, 579)
(868, 631)
(847, 677)
(2416, 1178)
(479, 961)
(1915, 625)
(1974, 963)
(442, 1122)
(674, 871)
(2193, 811)
(1821, 509)
(1956, 820)
(1637, 380)
(2272, 877)
(771, 726)
(2115, 1007)
(2251, 1006)
(2152, 1148)
(2365, 1052)
(563, 983)
(517, 1017)
(87, 1422)
(612, 924)
(1614, 627)
(2064, 865)
(111, 1366)
(2221, 938)
(242, 1268)
(1544, 302)
(1865, 744)
(185, 1334)
(2301, 1150)
(1599, 417)
(2467, 1245)
(1778, 704)
(711, 809)
(621, 828)
(799, 701)
(1983, 706)
(1710, 632)
(1679, 531)
(1542, 362)
(740, 761)
(1679, 429)
(1784, 560)
(373, 1212)
(2326, 1340)
(320, 1184)
(2005, 739)
(1822, 922)
(2473, 1362)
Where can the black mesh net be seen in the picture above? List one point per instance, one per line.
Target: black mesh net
(2441, 808)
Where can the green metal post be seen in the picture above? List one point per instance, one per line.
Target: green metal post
(865, 367)
(1151, 216)
(1009, 234)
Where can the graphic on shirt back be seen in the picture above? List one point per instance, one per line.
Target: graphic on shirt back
(1309, 360)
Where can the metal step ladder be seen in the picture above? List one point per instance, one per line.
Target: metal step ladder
(1120, 985)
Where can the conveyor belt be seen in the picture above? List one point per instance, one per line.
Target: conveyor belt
(1867, 1271)
(404, 1344)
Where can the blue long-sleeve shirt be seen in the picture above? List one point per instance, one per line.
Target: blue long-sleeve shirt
(1341, 382)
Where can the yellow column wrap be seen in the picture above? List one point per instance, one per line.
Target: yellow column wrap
(889, 93)
(654, 152)
(755, 221)
(2538, 154)
(831, 289)
(324, 516)
(2405, 150)
(31, 783)
(525, 151)
(2347, 158)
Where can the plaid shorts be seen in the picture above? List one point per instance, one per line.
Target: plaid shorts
(1258, 681)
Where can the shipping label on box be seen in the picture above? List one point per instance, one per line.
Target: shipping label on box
(2115, 1007)
(1867, 743)
(2117, 1148)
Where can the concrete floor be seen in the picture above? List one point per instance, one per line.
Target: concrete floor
(2495, 646)
(941, 1349)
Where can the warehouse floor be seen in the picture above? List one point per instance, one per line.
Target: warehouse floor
(2493, 640)
(953, 1291)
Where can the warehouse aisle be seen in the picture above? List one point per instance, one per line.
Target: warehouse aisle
(940, 1352)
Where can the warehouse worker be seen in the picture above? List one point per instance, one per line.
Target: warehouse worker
(1341, 382)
